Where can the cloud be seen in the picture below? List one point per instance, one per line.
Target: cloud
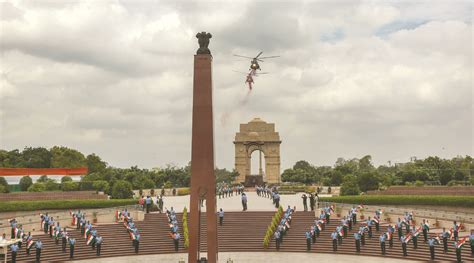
(391, 79)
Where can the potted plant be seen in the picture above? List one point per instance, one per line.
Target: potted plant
(94, 217)
(338, 211)
(436, 223)
(362, 213)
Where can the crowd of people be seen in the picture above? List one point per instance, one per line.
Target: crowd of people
(224, 190)
(173, 225)
(132, 230)
(283, 227)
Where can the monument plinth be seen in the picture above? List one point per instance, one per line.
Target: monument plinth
(203, 182)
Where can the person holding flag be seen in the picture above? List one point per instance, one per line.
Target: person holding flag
(51, 225)
(445, 235)
(344, 226)
(405, 240)
(399, 228)
(29, 243)
(340, 234)
(426, 228)
(390, 231)
(39, 247)
(354, 215)
(458, 245)
(98, 241)
(136, 241)
(362, 231)
(415, 232)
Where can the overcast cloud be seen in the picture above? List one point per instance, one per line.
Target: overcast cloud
(393, 79)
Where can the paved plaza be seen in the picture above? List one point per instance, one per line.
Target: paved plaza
(254, 257)
(233, 203)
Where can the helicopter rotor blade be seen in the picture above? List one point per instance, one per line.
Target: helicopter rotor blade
(245, 73)
(262, 73)
(259, 54)
(260, 60)
(242, 56)
(270, 57)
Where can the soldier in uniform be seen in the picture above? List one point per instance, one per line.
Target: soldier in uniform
(39, 247)
(311, 201)
(148, 204)
(98, 241)
(51, 225)
(64, 239)
(334, 240)
(339, 236)
(221, 216)
(13, 224)
(136, 242)
(471, 239)
(29, 239)
(458, 251)
(14, 248)
(344, 226)
(308, 240)
(357, 237)
(72, 243)
(382, 243)
(244, 202)
(404, 246)
(354, 215)
(425, 228)
(176, 241)
(431, 244)
(369, 225)
(455, 230)
(445, 235)
(305, 202)
(399, 228)
(415, 238)
(362, 235)
(313, 234)
(277, 237)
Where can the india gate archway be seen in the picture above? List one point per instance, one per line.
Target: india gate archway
(257, 135)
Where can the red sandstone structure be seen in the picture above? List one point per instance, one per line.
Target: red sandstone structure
(43, 171)
(203, 183)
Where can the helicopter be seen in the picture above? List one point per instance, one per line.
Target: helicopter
(254, 61)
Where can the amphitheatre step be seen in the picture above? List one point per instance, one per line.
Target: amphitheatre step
(240, 232)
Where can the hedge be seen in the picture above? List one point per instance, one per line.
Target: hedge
(184, 191)
(434, 200)
(9, 206)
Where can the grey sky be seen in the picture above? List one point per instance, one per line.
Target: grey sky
(388, 78)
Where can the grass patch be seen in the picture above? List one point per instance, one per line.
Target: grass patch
(10, 206)
(434, 200)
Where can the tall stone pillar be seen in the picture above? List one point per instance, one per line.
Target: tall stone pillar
(203, 182)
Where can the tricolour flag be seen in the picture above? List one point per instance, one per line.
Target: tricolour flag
(117, 216)
(407, 238)
(461, 242)
(451, 234)
(340, 232)
(29, 243)
(15, 231)
(86, 232)
(389, 235)
(360, 206)
(376, 220)
(89, 240)
(417, 232)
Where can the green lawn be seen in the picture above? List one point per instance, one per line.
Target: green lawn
(62, 204)
(434, 200)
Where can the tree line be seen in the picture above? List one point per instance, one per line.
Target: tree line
(360, 175)
(100, 176)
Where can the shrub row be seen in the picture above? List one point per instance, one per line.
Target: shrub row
(460, 201)
(185, 228)
(272, 227)
(184, 191)
(9, 206)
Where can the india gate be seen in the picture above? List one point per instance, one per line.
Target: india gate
(257, 135)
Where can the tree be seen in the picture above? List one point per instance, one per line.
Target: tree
(25, 183)
(37, 187)
(122, 190)
(336, 178)
(3, 189)
(43, 179)
(66, 179)
(36, 157)
(102, 186)
(368, 181)
(95, 164)
(222, 175)
(350, 186)
(4, 183)
(12, 159)
(63, 157)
